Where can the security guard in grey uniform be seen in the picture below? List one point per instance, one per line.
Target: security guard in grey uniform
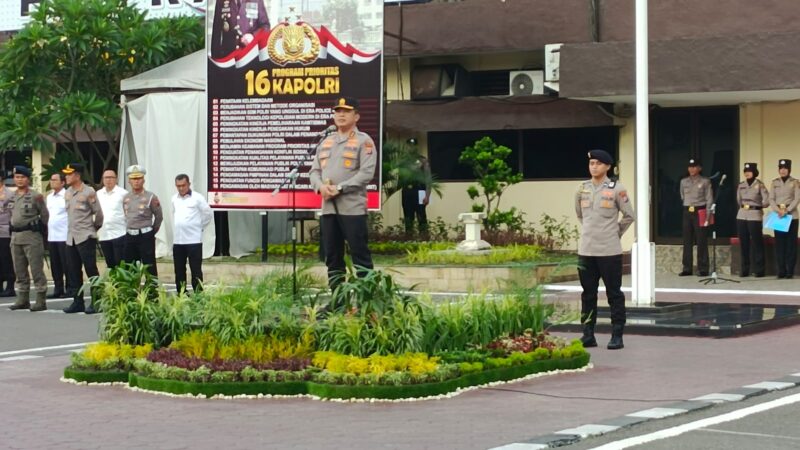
(752, 198)
(6, 262)
(598, 203)
(697, 195)
(784, 197)
(84, 218)
(344, 164)
(28, 218)
(143, 216)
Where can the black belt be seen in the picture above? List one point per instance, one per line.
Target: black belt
(20, 229)
(694, 208)
(755, 208)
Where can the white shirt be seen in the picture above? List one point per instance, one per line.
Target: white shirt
(57, 224)
(113, 215)
(191, 214)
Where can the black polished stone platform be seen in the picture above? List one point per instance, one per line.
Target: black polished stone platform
(718, 320)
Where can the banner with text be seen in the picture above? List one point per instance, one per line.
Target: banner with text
(275, 69)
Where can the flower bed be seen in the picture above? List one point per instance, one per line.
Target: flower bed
(370, 341)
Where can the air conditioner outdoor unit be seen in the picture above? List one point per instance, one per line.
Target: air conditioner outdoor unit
(526, 82)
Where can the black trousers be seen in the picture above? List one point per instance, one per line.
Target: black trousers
(59, 268)
(412, 209)
(142, 247)
(83, 254)
(591, 269)
(751, 237)
(6, 265)
(194, 253)
(336, 229)
(693, 232)
(786, 250)
(113, 251)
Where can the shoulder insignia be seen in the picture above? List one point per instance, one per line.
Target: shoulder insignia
(612, 184)
(156, 202)
(623, 195)
(369, 146)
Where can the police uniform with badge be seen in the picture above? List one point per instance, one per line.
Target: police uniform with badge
(235, 22)
(28, 218)
(698, 200)
(598, 204)
(784, 198)
(84, 218)
(143, 216)
(752, 198)
(343, 166)
(7, 275)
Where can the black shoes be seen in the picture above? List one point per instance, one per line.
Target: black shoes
(76, 307)
(90, 310)
(703, 274)
(759, 275)
(685, 273)
(588, 340)
(57, 295)
(616, 337)
(10, 292)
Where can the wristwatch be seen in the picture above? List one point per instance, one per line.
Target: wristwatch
(339, 188)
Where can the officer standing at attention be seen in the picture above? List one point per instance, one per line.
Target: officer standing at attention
(84, 218)
(235, 24)
(752, 197)
(343, 166)
(143, 216)
(598, 203)
(28, 218)
(697, 195)
(6, 262)
(784, 197)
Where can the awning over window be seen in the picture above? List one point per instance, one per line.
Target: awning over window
(494, 113)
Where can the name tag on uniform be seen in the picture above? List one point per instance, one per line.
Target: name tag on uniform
(606, 204)
(585, 203)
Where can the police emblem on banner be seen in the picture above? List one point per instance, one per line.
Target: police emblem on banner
(293, 43)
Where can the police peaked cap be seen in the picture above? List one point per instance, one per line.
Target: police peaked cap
(22, 170)
(136, 171)
(602, 156)
(346, 103)
(72, 168)
(694, 163)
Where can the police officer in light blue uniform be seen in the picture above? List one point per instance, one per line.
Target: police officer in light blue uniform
(598, 204)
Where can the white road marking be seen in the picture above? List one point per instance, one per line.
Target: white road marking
(520, 446)
(719, 398)
(585, 431)
(42, 349)
(20, 358)
(703, 423)
(742, 433)
(571, 288)
(49, 300)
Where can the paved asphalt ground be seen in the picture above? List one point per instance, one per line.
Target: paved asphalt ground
(39, 411)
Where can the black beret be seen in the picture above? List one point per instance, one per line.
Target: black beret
(694, 163)
(785, 164)
(22, 170)
(602, 156)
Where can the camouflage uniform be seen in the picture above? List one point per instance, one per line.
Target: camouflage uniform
(28, 217)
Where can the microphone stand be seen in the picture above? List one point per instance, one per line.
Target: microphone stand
(291, 177)
(714, 279)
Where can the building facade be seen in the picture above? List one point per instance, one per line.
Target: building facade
(722, 89)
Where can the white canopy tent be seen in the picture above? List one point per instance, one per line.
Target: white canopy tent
(164, 130)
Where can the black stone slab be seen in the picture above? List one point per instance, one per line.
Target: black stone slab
(717, 320)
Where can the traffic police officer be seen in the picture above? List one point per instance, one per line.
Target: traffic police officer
(84, 218)
(598, 203)
(697, 196)
(28, 218)
(6, 262)
(344, 164)
(143, 216)
(752, 197)
(784, 198)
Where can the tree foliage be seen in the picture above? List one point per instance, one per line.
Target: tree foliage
(494, 175)
(400, 167)
(60, 75)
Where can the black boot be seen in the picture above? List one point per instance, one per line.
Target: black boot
(616, 338)
(75, 307)
(9, 290)
(588, 339)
